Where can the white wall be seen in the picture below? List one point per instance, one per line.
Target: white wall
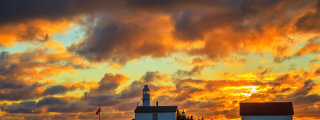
(143, 116)
(167, 116)
(275, 117)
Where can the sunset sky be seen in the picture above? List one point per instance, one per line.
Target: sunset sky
(60, 58)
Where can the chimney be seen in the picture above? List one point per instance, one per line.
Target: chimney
(157, 103)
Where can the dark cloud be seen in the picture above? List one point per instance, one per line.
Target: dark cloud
(34, 33)
(74, 107)
(22, 91)
(48, 101)
(133, 91)
(22, 107)
(105, 94)
(4, 55)
(310, 21)
(58, 89)
(264, 72)
(308, 99)
(156, 5)
(186, 93)
(196, 70)
(104, 100)
(20, 10)
(19, 90)
(130, 106)
(51, 104)
(281, 59)
(119, 42)
(110, 82)
(308, 85)
(151, 76)
(192, 24)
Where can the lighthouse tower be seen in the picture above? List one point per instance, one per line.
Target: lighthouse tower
(146, 96)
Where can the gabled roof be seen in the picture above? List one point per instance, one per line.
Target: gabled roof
(152, 109)
(267, 108)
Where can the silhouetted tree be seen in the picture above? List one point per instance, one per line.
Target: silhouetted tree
(179, 117)
(182, 116)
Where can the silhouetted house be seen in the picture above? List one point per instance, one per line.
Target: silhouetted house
(147, 112)
(266, 111)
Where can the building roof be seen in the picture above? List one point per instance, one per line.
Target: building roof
(152, 109)
(267, 108)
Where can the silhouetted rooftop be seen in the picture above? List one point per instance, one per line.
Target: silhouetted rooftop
(268, 108)
(152, 109)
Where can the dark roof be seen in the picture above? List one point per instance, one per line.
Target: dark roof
(267, 108)
(152, 109)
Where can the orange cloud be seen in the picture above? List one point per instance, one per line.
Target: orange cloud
(210, 31)
(36, 30)
(312, 46)
(218, 99)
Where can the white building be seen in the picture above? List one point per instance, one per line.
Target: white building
(147, 112)
(155, 113)
(266, 111)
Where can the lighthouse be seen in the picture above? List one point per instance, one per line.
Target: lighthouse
(146, 95)
(147, 112)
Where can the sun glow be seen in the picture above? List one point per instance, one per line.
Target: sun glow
(243, 90)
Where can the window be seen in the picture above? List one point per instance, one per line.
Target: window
(146, 92)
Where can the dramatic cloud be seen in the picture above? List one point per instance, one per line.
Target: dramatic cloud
(219, 98)
(248, 26)
(212, 54)
(122, 41)
(238, 28)
(22, 75)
